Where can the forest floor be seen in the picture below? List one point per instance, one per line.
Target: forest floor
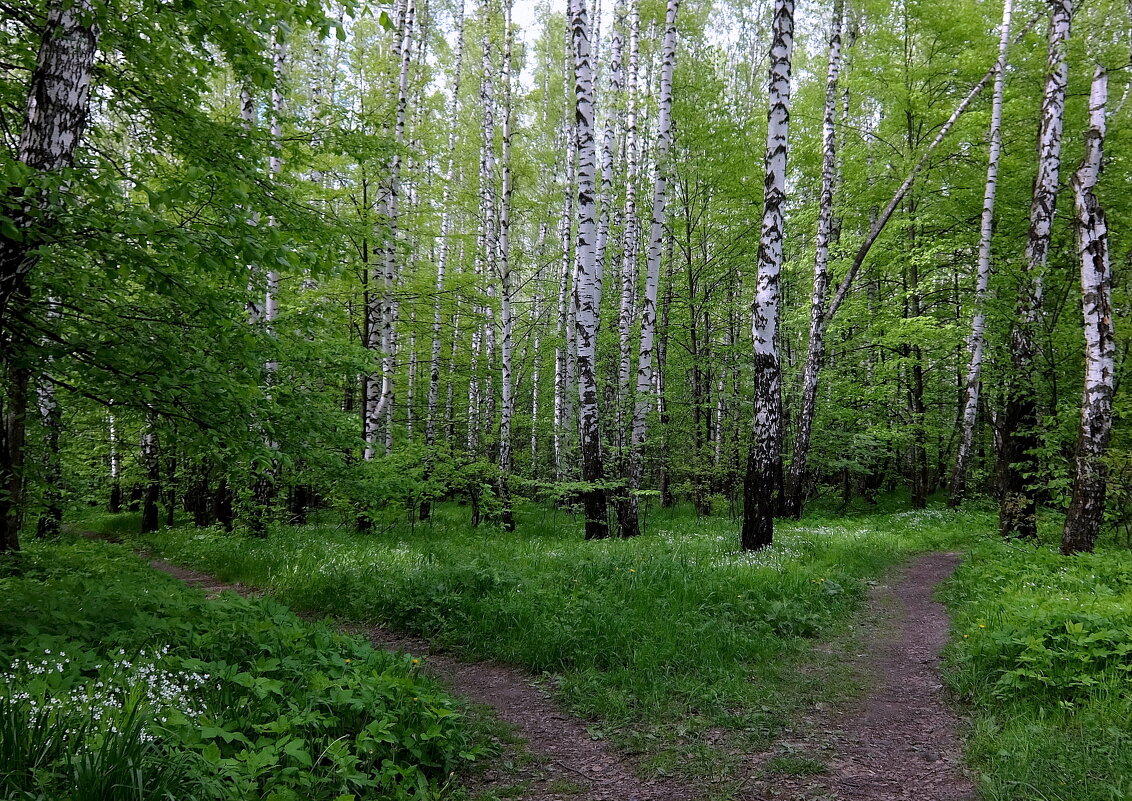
(897, 742)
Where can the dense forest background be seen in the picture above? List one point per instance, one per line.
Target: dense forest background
(259, 258)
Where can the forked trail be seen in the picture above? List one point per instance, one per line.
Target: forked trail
(898, 743)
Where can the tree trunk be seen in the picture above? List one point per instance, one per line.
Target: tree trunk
(115, 504)
(796, 485)
(505, 310)
(151, 460)
(762, 489)
(976, 342)
(1086, 510)
(1017, 462)
(597, 526)
(379, 402)
(627, 508)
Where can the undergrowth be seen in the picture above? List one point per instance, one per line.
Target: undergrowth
(660, 640)
(1042, 650)
(120, 684)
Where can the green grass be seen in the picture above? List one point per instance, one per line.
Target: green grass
(118, 683)
(1042, 651)
(661, 640)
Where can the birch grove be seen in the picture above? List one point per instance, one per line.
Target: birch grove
(428, 262)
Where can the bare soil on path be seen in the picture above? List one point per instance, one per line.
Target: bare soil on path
(899, 742)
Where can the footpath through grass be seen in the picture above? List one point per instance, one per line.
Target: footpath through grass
(666, 640)
(118, 683)
(672, 638)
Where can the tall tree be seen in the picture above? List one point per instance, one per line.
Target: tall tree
(54, 121)
(585, 267)
(763, 486)
(627, 509)
(795, 491)
(1086, 510)
(976, 342)
(1017, 459)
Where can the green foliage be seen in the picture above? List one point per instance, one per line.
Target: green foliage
(123, 684)
(1042, 648)
(661, 637)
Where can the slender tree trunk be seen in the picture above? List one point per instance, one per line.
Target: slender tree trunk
(442, 260)
(797, 482)
(379, 406)
(597, 526)
(505, 310)
(1086, 510)
(151, 460)
(628, 513)
(761, 493)
(115, 504)
(565, 333)
(976, 342)
(609, 143)
(1017, 461)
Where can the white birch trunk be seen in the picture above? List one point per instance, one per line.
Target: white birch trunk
(764, 465)
(565, 334)
(795, 490)
(380, 408)
(631, 233)
(1017, 462)
(976, 342)
(1086, 510)
(505, 311)
(585, 267)
(608, 147)
(445, 233)
(627, 512)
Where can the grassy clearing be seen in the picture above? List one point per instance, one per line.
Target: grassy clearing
(1042, 650)
(119, 684)
(667, 640)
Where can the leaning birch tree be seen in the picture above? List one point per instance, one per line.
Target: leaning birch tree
(976, 342)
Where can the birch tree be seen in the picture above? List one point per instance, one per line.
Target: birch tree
(1018, 501)
(379, 396)
(763, 486)
(1086, 509)
(795, 491)
(976, 342)
(55, 119)
(585, 267)
(506, 317)
(627, 507)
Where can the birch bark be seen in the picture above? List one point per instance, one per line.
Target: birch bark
(54, 121)
(1086, 510)
(628, 513)
(1018, 502)
(585, 266)
(977, 340)
(796, 485)
(378, 406)
(763, 486)
(505, 309)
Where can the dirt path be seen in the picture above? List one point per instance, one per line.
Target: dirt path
(897, 743)
(562, 761)
(900, 741)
